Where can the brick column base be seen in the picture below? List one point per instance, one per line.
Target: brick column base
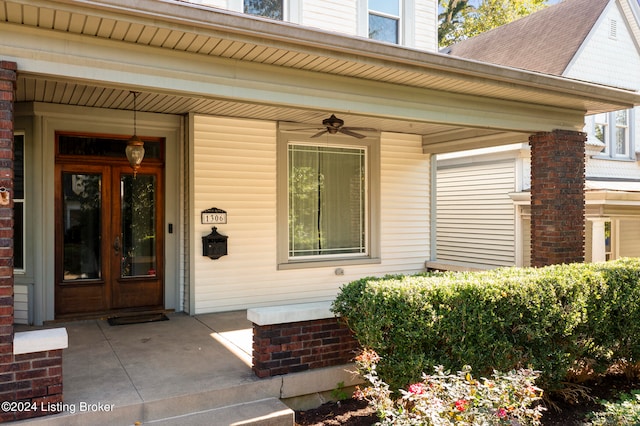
(33, 385)
(557, 197)
(299, 346)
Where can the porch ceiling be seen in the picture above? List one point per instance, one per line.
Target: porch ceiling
(181, 26)
(31, 88)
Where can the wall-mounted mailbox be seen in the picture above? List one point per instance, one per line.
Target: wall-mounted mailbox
(214, 245)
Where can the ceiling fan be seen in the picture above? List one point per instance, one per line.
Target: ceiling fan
(333, 125)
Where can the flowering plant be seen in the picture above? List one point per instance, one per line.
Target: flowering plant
(453, 399)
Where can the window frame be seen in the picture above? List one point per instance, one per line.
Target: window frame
(372, 194)
(285, 10)
(611, 128)
(23, 201)
(398, 18)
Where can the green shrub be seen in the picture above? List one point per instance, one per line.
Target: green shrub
(625, 411)
(549, 319)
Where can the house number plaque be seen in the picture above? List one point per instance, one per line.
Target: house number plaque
(213, 216)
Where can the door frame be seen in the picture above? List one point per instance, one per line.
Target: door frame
(40, 121)
(106, 289)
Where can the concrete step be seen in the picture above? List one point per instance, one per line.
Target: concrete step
(266, 412)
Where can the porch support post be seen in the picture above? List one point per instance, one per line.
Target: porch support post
(31, 361)
(557, 197)
(598, 240)
(7, 92)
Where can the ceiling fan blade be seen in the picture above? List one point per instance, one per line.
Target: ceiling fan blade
(320, 133)
(362, 129)
(350, 133)
(306, 129)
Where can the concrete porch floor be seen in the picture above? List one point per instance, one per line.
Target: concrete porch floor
(190, 370)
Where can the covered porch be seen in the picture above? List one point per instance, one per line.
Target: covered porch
(188, 370)
(222, 90)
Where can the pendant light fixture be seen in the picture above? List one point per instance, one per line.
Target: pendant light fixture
(135, 146)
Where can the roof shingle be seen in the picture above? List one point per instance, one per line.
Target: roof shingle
(544, 41)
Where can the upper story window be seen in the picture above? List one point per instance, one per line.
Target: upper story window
(615, 131)
(273, 9)
(384, 20)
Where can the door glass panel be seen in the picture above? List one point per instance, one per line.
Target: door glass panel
(82, 206)
(138, 201)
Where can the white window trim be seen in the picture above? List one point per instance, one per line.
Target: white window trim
(608, 153)
(290, 9)
(372, 144)
(406, 21)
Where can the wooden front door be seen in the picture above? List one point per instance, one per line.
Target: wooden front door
(109, 231)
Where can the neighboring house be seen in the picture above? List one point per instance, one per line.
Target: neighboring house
(231, 108)
(483, 204)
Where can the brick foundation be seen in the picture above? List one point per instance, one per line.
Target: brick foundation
(557, 197)
(33, 381)
(299, 346)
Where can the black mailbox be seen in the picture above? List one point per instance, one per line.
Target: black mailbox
(214, 245)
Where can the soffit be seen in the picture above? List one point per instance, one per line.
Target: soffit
(185, 27)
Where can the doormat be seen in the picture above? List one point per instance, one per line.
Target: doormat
(137, 319)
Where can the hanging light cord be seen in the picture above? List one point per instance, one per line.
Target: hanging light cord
(135, 97)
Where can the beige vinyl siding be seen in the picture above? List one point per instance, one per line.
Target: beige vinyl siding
(405, 203)
(629, 241)
(331, 15)
(475, 216)
(21, 304)
(235, 169)
(526, 241)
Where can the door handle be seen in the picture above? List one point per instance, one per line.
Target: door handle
(116, 245)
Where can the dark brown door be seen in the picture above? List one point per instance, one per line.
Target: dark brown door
(109, 238)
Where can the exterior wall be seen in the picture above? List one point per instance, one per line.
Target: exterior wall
(21, 307)
(605, 59)
(629, 246)
(234, 169)
(613, 61)
(331, 15)
(475, 216)
(426, 34)
(351, 17)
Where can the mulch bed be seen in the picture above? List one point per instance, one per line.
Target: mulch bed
(352, 412)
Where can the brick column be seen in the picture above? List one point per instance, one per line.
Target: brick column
(33, 380)
(7, 91)
(557, 197)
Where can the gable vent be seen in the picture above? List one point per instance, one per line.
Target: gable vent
(613, 29)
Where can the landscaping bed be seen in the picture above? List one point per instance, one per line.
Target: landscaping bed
(567, 337)
(352, 412)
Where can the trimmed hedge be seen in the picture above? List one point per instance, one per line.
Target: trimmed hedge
(552, 319)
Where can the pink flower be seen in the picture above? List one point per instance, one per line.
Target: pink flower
(416, 388)
(502, 413)
(358, 394)
(461, 404)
